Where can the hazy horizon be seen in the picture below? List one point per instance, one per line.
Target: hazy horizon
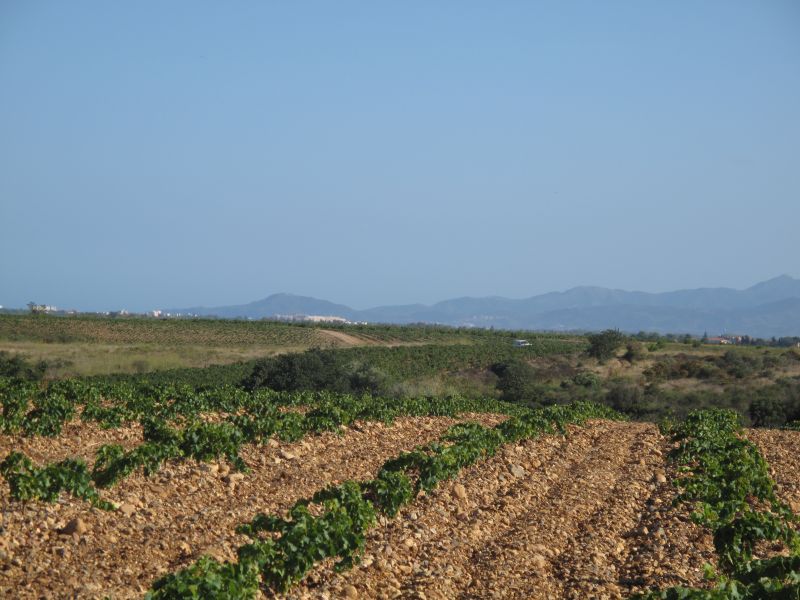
(182, 154)
(365, 307)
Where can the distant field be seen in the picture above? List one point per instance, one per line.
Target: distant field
(169, 332)
(226, 332)
(84, 345)
(92, 346)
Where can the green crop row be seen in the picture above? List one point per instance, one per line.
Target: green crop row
(727, 480)
(282, 550)
(30, 409)
(252, 417)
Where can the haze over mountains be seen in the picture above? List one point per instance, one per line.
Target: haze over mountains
(770, 308)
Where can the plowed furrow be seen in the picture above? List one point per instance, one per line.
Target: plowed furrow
(495, 533)
(527, 561)
(665, 548)
(186, 510)
(588, 567)
(782, 450)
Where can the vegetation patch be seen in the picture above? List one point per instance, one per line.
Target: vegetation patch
(727, 480)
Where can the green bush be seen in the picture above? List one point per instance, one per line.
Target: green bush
(517, 382)
(604, 345)
(16, 367)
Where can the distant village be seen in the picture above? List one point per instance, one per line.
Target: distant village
(48, 309)
(724, 339)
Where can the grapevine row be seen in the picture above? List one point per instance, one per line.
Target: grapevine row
(333, 523)
(727, 480)
(257, 419)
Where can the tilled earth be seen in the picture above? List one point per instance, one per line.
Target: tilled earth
(589, 515)
(586, 516)
(782, 451)
(186, 510)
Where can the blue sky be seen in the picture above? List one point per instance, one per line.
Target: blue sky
(158, 154)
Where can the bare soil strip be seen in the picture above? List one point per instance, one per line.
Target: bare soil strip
(782, 450)
(550, 518)
(78, 439)
(665, 548)
(344, 339)
(188, 509)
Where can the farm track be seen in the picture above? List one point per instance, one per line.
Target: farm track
(347, 340)
(186, 510)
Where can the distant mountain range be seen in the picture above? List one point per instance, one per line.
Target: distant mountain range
(770, 308)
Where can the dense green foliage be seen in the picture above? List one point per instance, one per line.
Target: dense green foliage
(208, 578)
(604, 345)
(733, 364)
(337, 528)
(28, 482)
(517, 381)
(16, 367)
(314, 370)
(341, 369)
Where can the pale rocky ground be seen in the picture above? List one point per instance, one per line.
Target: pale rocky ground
(589, 515)
(187, 509)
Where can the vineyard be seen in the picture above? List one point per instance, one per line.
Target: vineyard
(205, 483)
(217, 332)
(148, 331)
(82, 345)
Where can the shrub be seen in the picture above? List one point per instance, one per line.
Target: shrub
(634, 352)
(604, 345)
(586, 379)
(626, 398)
(517, 382)
(767, 412)
(315, 370)
(16, 367)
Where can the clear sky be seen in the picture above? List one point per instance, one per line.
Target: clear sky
(157, 154)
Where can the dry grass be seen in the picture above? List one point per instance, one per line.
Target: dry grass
(82, 358)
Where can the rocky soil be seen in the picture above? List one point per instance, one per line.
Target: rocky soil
(69, 549)
(782, 451)
(589, 515)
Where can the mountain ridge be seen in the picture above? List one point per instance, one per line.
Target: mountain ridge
(765, 309)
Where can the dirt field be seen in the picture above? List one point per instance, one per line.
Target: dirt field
(188, 509)
(583, 516)
(574, 525)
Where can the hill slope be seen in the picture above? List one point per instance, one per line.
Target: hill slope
(770, 308)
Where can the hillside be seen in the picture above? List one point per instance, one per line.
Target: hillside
(770, 308)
